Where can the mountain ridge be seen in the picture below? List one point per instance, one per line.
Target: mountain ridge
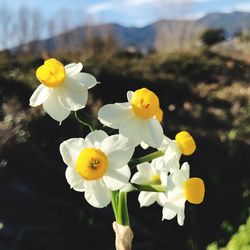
(145, 38)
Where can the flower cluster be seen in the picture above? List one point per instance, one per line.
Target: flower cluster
(99, 164)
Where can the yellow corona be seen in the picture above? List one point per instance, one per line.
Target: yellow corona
(155, 180)
(186, 143)
(91, 164)
(145, 104)
(52, 73)
(194, 190)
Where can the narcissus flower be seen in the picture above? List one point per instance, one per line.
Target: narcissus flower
(180, 189)
(97, 164)
(138, 119)
(62, 89)
(183, 144)
(154, 173)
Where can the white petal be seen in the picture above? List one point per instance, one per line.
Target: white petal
(144, 145)
(164, 178)
(172, 161)
(159, 163)
(97, 194)
(144, 174)
(116, 143)
(73, 68)
(140, 179)
(145, 169)
(178, 178)
(72, 95)
(147, 198)
(113, 115)
(173, 151)
(169, 211)
(129, 95)
(133, 128)
(54, 108)
(185, 169)
(170, 182)
(175, 147)
(95, 138)
(153, 134)
(75, 181)
(88, 80)
(119, 150)
(168, 143)
(181, 216)
(115, 179)
(161, 199)
(40, 95)
(165, 143)
(176, 197)
(172, 154)
(70, 150)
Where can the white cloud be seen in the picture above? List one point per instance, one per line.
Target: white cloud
(141, 12)
(195, 15)
(128, 4)
(100, 7)
(139, 2)
(162, 2)
(117, 6)
(242, 6)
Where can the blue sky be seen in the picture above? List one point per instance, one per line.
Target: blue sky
(129, 12)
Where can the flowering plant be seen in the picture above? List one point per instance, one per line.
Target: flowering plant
(99, 165)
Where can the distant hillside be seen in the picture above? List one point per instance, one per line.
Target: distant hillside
(146, 38)
(230, 22)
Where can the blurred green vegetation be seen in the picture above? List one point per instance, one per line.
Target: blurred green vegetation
(200, 91)
(240, 240)
(212, 36)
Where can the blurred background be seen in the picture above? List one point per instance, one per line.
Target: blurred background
(194, 54)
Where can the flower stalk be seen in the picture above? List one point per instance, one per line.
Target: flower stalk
(146, 158)
(114, 202)
(151, 188)
(122, 211)
(87, 123)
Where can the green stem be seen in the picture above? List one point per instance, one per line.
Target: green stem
(151, 188)
(84, 123)
(114, 203)
(146, 158)
(120, 209)
(125, 210)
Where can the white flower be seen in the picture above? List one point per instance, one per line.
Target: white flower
(138, 119)
(62, 89)
(181, 188)
(154, 173)
(173, 149)
(97, 164)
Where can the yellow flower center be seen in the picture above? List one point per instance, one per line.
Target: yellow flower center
(145, 104)
(91, 164)
(186, 143)
(155, 180)
(52, 73)
(194, 190)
